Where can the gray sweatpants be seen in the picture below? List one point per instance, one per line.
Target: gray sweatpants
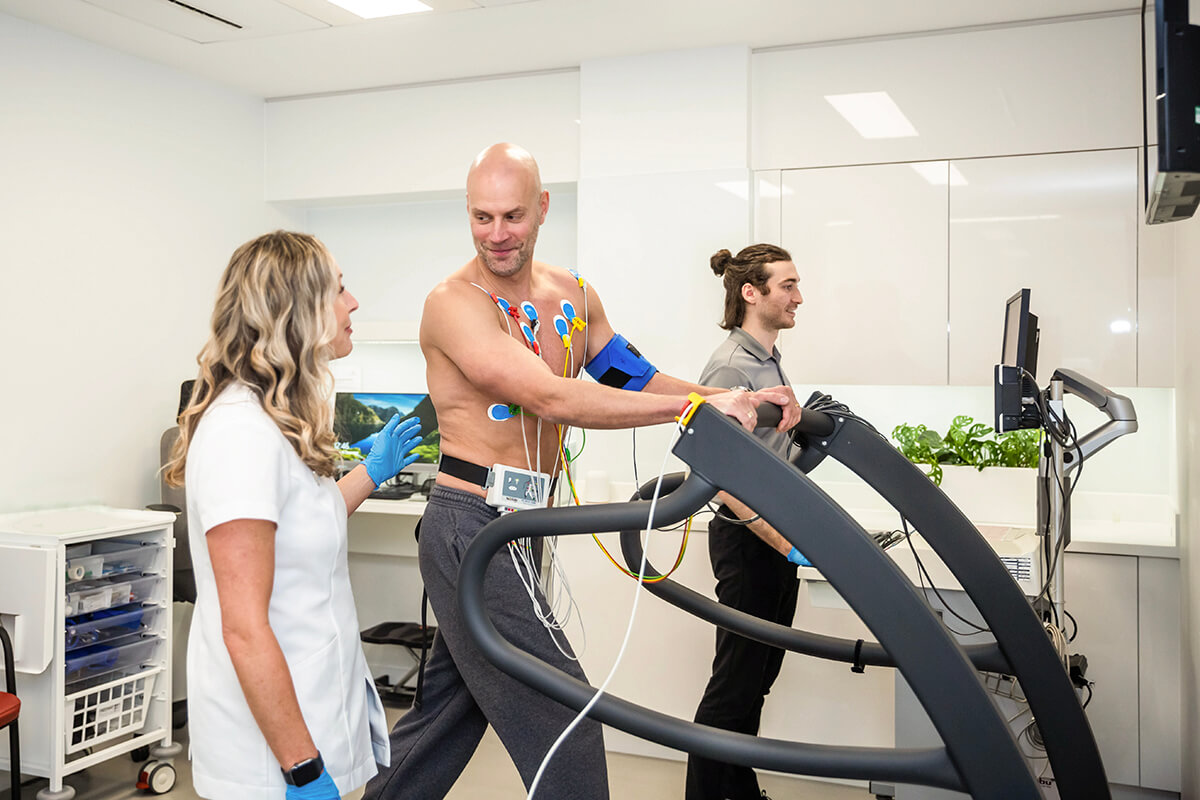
(463, 691)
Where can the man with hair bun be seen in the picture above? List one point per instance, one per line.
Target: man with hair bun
(754, 565)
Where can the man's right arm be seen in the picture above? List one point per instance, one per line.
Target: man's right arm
(727, 376)
(758, 526)
(459, 321)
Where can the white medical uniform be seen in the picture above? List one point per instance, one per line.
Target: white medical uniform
(240, 466)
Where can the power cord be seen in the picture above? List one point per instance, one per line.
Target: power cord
(827, 405)
(922, 571)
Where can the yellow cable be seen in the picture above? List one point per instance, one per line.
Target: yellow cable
(695, 399)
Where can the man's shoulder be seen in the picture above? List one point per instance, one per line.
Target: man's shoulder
(561, 277)
(725, 351)
(456, 288)
(723, 368)
(449, 306)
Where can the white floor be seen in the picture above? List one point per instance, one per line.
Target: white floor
(489, 776)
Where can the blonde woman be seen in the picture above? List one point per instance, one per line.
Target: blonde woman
(280, 702)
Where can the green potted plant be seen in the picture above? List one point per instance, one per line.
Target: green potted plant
(967, 443)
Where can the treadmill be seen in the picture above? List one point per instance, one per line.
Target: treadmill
(980, 755)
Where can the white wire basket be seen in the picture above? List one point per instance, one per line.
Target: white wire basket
(106, 711)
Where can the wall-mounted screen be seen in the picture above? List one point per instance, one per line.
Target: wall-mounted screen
(359, 416)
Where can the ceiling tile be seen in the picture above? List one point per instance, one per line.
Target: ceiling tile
(207, 21)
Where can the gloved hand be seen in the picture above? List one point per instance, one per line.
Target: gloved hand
(391, 451)
(323, 788)
(797, 558)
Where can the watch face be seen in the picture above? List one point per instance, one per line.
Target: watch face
(305, 772)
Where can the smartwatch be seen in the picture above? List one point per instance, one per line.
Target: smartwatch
(305, 772)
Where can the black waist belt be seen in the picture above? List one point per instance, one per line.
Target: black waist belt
(464, 470)
(472, 473)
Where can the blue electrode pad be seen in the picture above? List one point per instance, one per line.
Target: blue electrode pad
(528, 309)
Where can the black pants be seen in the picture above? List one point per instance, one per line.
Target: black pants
(755, 578)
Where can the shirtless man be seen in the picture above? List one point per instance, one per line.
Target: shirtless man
(477, 356)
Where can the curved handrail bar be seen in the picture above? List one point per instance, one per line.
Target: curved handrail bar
(833, 648)
(927, 766)
(986, 760)
(1070, 744)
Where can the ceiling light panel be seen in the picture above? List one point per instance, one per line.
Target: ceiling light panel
(336, 16)
(873, 114)
(374, 9)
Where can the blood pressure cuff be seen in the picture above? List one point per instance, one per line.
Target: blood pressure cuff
(620, 365)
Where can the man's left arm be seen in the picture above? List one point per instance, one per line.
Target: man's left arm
(601, 332)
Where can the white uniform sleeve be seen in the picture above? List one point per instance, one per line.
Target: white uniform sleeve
(238, 469)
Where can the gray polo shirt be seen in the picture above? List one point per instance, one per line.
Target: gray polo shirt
(741, 360)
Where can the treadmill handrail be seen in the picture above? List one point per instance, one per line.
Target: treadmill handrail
(1070, 744)
(867, 653)
(987, 762)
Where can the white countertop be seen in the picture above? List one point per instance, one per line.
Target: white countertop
(1104, 537)
(1144, 539)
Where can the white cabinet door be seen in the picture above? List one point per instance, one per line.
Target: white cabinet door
(27, 604)
(1159, 674)
(870, 245)
(1065, 226)
(1102, 595)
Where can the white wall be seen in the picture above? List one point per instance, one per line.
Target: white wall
(419, 139)
(126, 188)
(393, 254)
(1006, 91)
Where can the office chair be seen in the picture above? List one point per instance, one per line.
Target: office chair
(10, 709)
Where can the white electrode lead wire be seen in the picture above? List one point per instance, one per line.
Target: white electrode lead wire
(632, 615)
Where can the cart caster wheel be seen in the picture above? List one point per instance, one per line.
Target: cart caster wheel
(157, 776)
(140, 754)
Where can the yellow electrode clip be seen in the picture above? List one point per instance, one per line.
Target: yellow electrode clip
(685, 413)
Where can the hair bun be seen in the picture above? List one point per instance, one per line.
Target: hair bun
(720, 261)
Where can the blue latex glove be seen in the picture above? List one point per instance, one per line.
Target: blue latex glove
(797, 558)
(392, 450)
(323, 788)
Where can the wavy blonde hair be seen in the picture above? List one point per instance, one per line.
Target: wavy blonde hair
(273, 328)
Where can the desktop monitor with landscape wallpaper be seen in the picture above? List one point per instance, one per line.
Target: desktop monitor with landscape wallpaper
(359, 416)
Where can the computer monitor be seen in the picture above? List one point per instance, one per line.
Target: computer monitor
(1016, 372)
(359, 416)
(1020, 335)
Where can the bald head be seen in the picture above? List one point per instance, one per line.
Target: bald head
(508, 163)
(506, 205)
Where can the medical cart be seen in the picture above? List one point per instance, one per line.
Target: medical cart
(86, 595)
